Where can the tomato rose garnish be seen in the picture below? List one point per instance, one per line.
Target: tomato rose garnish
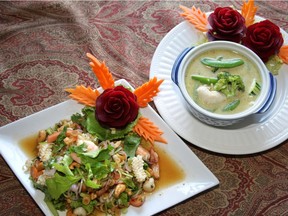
(116, 107)
(226, 24)
(264, 38)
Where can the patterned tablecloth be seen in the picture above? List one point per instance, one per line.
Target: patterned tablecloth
(42, 51)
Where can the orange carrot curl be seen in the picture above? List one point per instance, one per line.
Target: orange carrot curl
(196, 17)
(248, 12)
(148, 130)
(86, 96)
(102, 72)
(147, 91)
(283, 54)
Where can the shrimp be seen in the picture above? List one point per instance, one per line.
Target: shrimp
(153, 157)
(75, 157)
(41, 136)
(91, 146)
(155, 170)
(52, 137)
(154, 160)
(208, 96)
(143, 152)
(137, 200)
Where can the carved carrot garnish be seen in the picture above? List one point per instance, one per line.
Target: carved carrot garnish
(248, 12)
(196, 17)
(102, 72)
(283, 54)
(147, 91)
(86, 96)
(148, 130)
(144, 93)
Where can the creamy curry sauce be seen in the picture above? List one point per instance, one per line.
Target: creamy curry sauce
(248, 71)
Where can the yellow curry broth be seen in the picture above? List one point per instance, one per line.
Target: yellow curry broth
(248, 71)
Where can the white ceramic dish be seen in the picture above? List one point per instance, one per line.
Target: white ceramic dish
(198, 177)
(257, 134)
(265, 98)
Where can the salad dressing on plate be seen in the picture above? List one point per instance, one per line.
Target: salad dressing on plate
(28, 145)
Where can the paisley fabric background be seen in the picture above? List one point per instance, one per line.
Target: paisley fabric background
(42, 51)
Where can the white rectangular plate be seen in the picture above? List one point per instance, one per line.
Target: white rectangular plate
(198, 177)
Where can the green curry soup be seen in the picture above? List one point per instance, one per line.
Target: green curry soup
(205, 94)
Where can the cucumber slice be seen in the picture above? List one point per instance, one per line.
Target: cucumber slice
(255, 88)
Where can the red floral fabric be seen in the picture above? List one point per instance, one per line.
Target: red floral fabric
(42, 51)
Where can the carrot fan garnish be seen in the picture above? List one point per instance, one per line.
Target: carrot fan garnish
(196, 17)
(148, 130)
(283, 54)
(147, 91)
(102, 72)
(248, 12)
(86, 96)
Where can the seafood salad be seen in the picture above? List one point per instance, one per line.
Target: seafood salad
(102, 159)
(85, 173)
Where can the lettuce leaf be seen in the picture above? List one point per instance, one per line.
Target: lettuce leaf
(60, 184)
(131, 143)
(101, 165)
(63, 166)
(94, 127)
(89, 181)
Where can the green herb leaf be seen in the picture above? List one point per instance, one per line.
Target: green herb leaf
(61, 136)
(59, 143)
(123, 200)
(101, 170)
(129, 182)
(92, 184)
(131, 143)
